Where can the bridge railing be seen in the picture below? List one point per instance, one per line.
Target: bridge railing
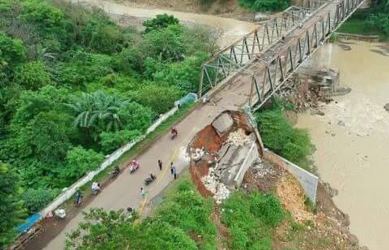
(279, 68)
(241, 53)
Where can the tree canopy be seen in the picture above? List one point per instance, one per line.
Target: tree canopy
(75, 86)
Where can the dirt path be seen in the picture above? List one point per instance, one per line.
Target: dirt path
(231, 29)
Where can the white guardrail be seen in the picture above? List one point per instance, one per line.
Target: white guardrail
(69, 192)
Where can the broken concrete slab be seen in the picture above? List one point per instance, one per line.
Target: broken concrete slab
(223, 123)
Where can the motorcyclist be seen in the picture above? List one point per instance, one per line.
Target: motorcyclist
(174, 132)
(116, 171)
(96, 187)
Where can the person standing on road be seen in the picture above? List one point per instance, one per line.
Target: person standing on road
(174, 172)
(142, 192)
(160, 164)
(171, 167)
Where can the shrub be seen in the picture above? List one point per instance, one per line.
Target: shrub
(32, 75)
(160, 22)
(165, 44)
(265, 5)
(12, 51)
(159, 97)
(110, 141)
(187, 210)
(279, 135)
(78, 162)
(185, 74)
(36, 199)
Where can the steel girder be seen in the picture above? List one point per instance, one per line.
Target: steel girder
(243, 52)
(278, 69)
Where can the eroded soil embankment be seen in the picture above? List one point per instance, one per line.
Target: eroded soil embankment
(324, 227)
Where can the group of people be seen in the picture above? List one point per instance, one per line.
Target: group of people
(96, 187)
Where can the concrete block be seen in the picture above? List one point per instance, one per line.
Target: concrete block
(223, 123)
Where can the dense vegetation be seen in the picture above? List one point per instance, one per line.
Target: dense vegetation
(251, 219)
(11, 208)
(372, 21)
(182, 222)
(74, 86)
(265, 5)
(280, 136)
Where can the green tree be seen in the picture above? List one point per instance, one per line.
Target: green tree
(11, 208)
(110, 141)
(116, 230)
(279, 135)
(80, 68)
(160, 98)
(265, 5)
(32, 75)
(185, 74)
(12, 52)
(165, 45)
(80, 161)
(160, 22)
(36, 199)
(97, 111)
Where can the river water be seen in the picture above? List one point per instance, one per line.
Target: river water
(352, 138)
(230, 29)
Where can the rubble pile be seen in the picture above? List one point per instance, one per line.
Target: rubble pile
(214, 185)
(196, 154)
(261, 170)
(238, 138)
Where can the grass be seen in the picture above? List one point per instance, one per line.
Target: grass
(251, 219)
(184, 208)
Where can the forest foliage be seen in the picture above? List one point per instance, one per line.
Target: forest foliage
(74, 86)
(280, 136)
(183, 221)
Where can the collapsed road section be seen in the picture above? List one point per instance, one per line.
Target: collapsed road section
(224, 151)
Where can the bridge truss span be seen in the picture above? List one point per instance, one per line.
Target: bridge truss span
(242, 52)
(271, 74)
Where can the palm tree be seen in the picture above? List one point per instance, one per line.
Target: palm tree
(97, 110)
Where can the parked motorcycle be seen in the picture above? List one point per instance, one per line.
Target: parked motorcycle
(115, 173)
(150, 179)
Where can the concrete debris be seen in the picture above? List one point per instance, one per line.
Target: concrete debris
(238, 138)
(223, 123)
(262, 170)
(213, 184)
(196, 154)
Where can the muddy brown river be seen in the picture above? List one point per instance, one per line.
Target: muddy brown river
(352, 138)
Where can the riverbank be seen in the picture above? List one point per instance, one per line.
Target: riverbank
(351, 137)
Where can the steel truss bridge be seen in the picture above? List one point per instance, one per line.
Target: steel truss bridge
(274, 50)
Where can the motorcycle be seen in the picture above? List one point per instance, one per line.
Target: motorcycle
(133, 166)
(115, 173)
(150, 179)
